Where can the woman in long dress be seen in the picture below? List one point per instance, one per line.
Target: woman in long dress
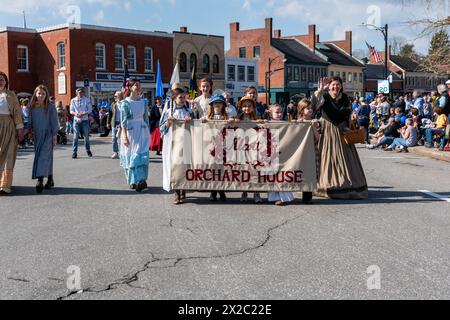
(341, 173)
(135, 137)
(11, 130)
(45, 125)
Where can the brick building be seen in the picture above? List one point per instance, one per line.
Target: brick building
(297, 62)
(62, 58)
(205, 52)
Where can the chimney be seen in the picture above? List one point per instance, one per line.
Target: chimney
(183, 29)
(312, 37)
(348, 42)
(277, 34)
(234, 26)
(269, 24)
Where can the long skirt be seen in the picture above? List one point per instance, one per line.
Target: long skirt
(134, 159)
(341, 174)
(156, 141)
(43, 154)
(8, 151)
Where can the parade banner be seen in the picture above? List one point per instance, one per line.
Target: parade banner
(241, 156)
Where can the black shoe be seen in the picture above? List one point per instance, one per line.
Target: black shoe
(133, 187)
(74, 155)
(89, 153)
(213, 197)
(307, 197)
(141, 186)
(223, 197)
(50, 184)
(39, 187)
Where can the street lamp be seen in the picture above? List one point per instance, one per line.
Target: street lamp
(384, 31)
(269, 74)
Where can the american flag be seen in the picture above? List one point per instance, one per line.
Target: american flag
(374, 54)
(126, 79)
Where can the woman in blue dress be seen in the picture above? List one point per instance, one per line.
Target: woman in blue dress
(45, 125)
(135, 137)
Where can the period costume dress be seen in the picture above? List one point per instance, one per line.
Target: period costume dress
(341, 174)
(178, 113)
(44, 122)
(155, 117)
(10, 121)
(134, 158)
(201, 106)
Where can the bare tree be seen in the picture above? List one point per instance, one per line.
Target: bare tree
(437, 60)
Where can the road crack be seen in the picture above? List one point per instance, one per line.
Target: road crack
(130, 279)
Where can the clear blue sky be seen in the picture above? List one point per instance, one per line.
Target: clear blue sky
(332, 17)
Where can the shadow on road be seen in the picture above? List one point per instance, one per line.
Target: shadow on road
(59, 191)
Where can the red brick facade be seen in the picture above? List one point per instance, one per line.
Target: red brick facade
(249, 39)
(80, 46)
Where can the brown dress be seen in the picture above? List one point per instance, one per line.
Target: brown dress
(8, 141)
(341, 174)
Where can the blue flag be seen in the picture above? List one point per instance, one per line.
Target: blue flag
(159, 83)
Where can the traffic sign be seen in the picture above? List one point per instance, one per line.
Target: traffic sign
(383, 86)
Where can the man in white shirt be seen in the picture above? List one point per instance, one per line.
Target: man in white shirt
(80, 108)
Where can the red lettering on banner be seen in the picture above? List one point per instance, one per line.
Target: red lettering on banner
(245, 176)
(190, 175)
(198, 174)
(204, 175)
(236, 174)
(298, 176)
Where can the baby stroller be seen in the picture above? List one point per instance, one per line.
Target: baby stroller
(61, 138)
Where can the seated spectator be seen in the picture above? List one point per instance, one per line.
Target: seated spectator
(387, 135)
(398, 115)
(437, 127)
(407, 140)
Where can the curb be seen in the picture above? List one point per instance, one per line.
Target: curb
(430, 153)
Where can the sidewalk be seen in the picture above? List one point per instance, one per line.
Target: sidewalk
(430, 153)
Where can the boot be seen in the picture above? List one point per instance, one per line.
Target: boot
(40, 185)
(50, 183)
(213, 197)
(223, 197)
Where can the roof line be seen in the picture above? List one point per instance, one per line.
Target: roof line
(346, 53)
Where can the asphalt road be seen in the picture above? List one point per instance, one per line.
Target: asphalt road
(139, 246)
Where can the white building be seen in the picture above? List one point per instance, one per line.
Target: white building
(240, 73)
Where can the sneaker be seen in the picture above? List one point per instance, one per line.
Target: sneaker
(399, 149)
(89, 153)
(370, 146)
(115, 155)
(257, 198)
(74, 155)
(388, 149)
(280, 203)
(428, 146)
(133, 186)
